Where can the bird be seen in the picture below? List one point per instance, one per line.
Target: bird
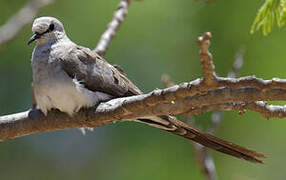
(68, 77)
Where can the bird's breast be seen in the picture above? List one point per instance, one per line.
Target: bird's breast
(53, 88)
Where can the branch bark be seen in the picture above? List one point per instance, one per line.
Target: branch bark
(174, 100)
(204, 158)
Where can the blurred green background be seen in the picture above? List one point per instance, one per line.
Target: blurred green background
(157, 37)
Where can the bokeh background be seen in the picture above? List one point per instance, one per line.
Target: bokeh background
(157, 37)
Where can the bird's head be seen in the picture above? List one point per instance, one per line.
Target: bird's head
(47, 30)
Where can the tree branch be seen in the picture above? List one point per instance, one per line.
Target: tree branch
(112, 27)
(267, 111)
(205, 161)
(24, 16)
(173, 100)
(208, 67)
(204, 158)
(178, 99)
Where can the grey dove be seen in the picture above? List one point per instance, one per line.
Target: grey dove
(68, 77)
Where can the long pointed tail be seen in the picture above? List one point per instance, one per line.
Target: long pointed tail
(172, 125)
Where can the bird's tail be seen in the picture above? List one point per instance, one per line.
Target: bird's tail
(172, 125)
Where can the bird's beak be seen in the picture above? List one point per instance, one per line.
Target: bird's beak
(34, 37)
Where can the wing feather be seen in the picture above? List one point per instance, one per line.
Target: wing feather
(96, 74)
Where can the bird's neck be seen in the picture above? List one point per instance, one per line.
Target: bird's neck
(50, 39)
(53, 47)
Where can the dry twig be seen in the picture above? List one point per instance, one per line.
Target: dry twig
(112, 27)
(24, 16)
(209, 75)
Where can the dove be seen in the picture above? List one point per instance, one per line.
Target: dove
(69, 77)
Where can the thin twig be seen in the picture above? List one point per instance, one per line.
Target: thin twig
(205, 161)
(267, 111)
(204, 158)
(165, 78)
(206, 59)
(112, 27)
(24, 16)
(237, 64)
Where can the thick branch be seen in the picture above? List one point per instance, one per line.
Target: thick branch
(203, 157)
(20, 19)
(173, 100)
(178, 99)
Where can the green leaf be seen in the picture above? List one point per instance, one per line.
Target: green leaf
(270, 11)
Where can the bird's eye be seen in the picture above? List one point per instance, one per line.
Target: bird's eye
(51, 27)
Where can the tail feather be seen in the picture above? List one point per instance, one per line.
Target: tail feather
(172, 125)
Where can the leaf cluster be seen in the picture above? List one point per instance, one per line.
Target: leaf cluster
(270, 10)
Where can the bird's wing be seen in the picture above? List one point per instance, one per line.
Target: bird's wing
(96, 74)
